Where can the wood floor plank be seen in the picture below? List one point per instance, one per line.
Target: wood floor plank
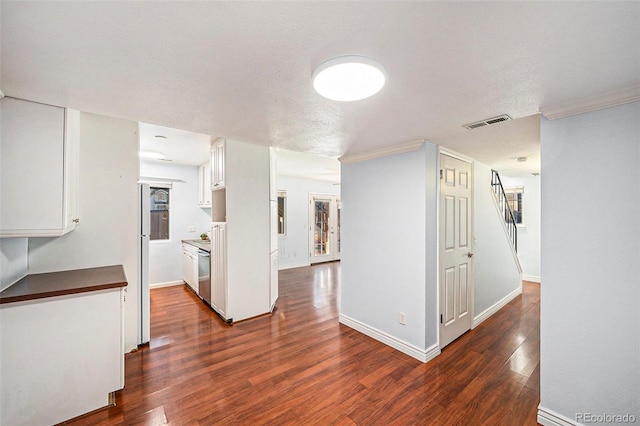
(300, 366)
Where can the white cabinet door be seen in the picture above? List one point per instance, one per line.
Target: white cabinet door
(194, 273)
(201, 187)
(204, 185)
(190, 266)
(186, 268)
(39, 163)
(71, 167)
(219, 269)
(218, 165)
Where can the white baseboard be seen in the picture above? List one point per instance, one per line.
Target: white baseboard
(496, 307)
(547, 417)
(167, 284)
(532, 278)
(423, 355)
(283, 267)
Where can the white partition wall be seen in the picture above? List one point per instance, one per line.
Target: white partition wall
(389, 250)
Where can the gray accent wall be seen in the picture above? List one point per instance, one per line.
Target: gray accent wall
(590, 315)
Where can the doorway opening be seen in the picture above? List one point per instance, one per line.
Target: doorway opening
(324, 228)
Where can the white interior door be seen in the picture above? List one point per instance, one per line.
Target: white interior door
(324, 228)
(455, 248)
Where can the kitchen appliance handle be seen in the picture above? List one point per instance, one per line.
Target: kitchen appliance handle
(203, 253)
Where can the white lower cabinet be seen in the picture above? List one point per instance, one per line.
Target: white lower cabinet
(190, 266)
(72, 343)
(219, 269)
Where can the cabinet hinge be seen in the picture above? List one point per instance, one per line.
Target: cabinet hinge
(440, 173)
(440, 318)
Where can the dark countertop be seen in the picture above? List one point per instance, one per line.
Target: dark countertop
(201, 244)
(51, 284)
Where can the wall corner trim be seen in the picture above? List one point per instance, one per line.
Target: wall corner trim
(383, 152)
(423, 355)
(547, 417)
(580, 106)
(496, 307)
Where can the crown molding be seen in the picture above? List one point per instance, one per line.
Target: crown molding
(607, 100)
(382, 152)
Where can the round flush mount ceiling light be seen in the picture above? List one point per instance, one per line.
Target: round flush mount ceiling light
(349, 78)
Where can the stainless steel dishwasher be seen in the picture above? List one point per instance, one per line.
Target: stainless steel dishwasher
(204, 276)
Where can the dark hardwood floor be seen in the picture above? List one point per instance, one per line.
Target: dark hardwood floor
(300, 367)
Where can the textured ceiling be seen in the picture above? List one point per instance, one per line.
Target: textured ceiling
(242, 69)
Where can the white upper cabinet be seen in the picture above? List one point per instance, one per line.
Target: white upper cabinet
(204, 185)
(218, 165)
(39, 158)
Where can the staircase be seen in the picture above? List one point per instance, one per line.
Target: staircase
(503, 205)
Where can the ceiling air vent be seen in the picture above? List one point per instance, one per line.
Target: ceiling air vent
(487, 122)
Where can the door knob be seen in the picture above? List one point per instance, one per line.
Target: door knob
(469, 255)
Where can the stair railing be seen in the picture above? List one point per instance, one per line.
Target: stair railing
(503, 204)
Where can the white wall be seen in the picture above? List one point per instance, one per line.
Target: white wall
(165, 257)
(293, 248)
(388, 248)
(529, 232)
(107, 232)
(496, 275)
(590, 321)
(13, 260)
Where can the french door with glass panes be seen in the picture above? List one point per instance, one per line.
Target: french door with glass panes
(324, 228)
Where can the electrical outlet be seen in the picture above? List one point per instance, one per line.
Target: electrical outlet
(192, 229)
(402, 318)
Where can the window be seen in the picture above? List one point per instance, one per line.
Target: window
(159, 212)
(514, 198)
(282, 206)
